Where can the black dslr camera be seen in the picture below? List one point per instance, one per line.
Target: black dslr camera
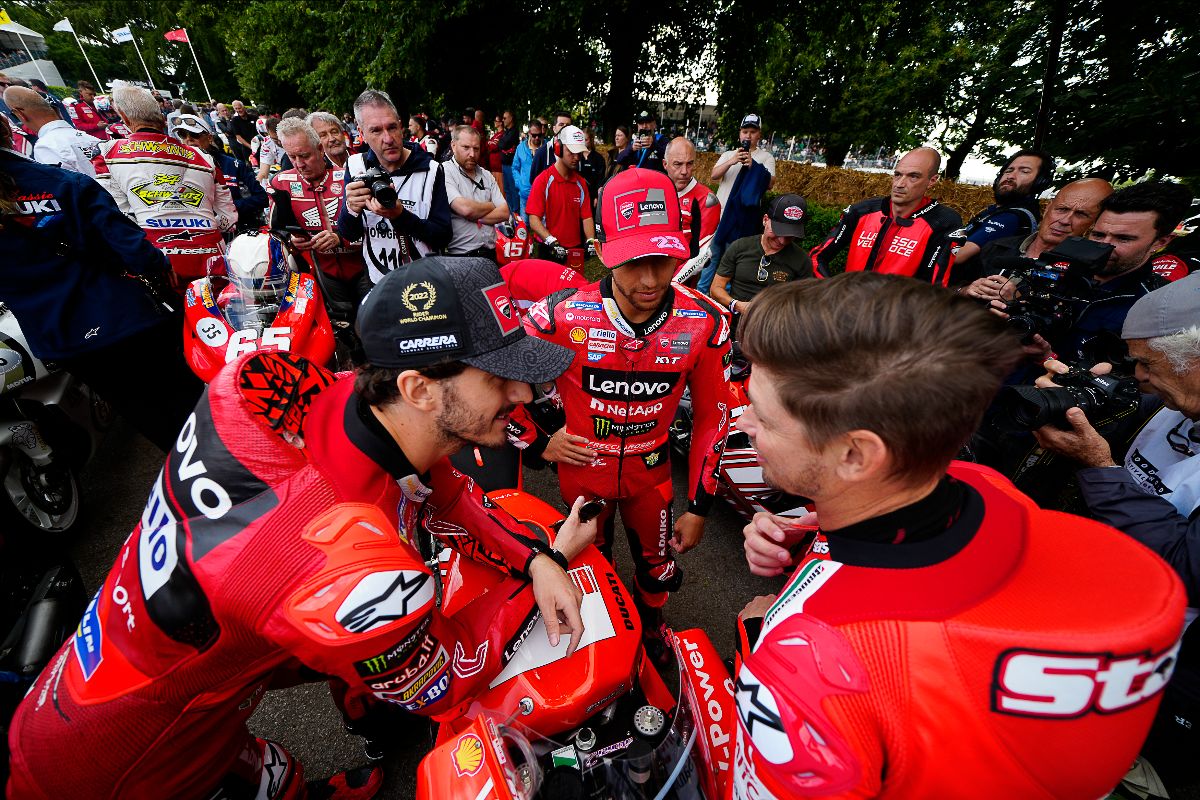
(380, 184)
(1101, 397)
(1055, 288)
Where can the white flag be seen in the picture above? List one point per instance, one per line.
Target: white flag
(123, 34)
(64, 26)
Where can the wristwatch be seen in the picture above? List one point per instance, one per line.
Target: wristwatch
(732, 303)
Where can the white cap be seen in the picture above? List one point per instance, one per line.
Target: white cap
(572, 139)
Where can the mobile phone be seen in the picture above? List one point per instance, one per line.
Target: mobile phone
(591, 509)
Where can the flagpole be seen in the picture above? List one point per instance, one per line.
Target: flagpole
(207, 94)
(36, 66)
(99, 85)
(138, 50)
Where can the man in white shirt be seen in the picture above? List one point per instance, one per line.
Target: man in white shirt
(58, 144)
(476, 201)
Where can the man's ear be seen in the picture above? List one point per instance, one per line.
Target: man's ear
(418, 391)
(862, 456)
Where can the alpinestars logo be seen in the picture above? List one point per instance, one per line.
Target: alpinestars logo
(384, 597)
(182, 236)
(760, 715)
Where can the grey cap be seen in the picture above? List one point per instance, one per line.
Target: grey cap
(453, 309)
(1165, 311)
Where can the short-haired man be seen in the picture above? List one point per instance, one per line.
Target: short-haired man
(248, 195)
(58, 143)
(905, 233)
(522, 163)
(647, 147)
(292, 551)
(173, 116)
(333, 137)
(510, 140)
(560, 208)
(419, 134)
(738, 218)
(640, 340)
(176, 193)
(52, 99)
(308, 196)
(1153, 494)
(1024, 176)
(476, 201)
(87, 118)
(270, 151)
(240, 129)
(934, 602)
(544, 157)
(753, 263)
(419, 222)
(697, 203)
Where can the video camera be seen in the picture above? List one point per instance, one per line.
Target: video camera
(1054, 289)
(380, 184)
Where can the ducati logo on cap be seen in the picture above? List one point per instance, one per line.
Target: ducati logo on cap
(502, 308)
(626, 210)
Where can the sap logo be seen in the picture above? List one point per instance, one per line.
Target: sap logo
(616, 385)
(595, 356)
(179, 222)
(1068, 685)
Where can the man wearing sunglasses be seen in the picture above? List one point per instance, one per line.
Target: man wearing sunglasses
(523, 161)
(753, 263)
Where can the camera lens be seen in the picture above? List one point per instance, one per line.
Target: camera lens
(384, 192)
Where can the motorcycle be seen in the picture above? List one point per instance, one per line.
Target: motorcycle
(602, 723)
(512, 241)
(739, 478)
(50, 425)
(259, 296)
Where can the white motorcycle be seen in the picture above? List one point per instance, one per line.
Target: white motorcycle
(50, 426)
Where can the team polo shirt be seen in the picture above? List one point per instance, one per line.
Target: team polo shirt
(562, 203)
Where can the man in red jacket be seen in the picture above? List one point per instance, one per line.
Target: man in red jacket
(87, 118)
(639, 340)
(905, 233)
(940, 636)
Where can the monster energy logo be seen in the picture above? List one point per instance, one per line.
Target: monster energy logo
(604, 427)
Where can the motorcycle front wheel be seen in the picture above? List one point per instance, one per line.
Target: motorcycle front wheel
(39, 499)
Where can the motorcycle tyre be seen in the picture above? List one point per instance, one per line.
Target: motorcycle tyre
(17, 481)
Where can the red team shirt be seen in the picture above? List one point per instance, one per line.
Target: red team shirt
(562, 203)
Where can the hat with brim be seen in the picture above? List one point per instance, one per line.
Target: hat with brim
(639, 218)
(192, 124)
(439, 309)
(1166, 311)
(787, 214)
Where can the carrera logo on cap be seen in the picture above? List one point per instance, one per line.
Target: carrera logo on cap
(425, 344)
(793, 213)
(502, 308)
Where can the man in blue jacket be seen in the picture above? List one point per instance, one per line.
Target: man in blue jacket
(523, 162)
(87, 287)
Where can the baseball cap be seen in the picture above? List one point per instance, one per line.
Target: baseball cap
(645, 116)
(639, 217)
(787, 213)
(572, 139)
(1165, 311)
(442, 309)
(751, 121)
(191, 123)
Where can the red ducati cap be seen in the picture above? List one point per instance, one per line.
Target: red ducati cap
(639, 217)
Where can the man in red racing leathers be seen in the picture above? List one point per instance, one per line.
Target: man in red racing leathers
(174, 192)
(639, 341)
(941, 635)
(905, 233)
(278, 543)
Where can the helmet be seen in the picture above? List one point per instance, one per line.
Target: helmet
(258, 270)
(103, 104)
(260, 125)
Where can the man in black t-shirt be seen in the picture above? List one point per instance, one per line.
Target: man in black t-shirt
(753, 263)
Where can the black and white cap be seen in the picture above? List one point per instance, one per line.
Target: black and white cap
(453, 309)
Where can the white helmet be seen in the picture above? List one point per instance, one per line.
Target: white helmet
(258, 269)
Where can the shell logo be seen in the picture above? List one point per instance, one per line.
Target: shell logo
(578, 335)
(468, 755)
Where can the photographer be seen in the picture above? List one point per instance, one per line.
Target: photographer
(1155, 495)
(648, 148)
(403, 221)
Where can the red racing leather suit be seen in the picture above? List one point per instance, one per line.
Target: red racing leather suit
(621, 392)
(701, 213)
(253, 558)
(916, 245)
(1020, 653)
(174, 192)
(314, 207)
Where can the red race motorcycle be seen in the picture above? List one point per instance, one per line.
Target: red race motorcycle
(258, 296)
(602, 723)
(512, 241)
